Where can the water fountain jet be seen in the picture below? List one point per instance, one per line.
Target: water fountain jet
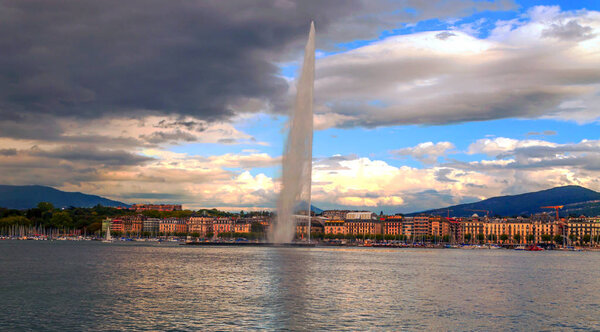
(297, 156)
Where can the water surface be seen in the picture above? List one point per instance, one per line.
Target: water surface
(96, 286)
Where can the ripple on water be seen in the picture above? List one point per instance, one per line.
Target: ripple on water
(83, 286)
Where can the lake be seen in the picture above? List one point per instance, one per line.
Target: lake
(62, 285)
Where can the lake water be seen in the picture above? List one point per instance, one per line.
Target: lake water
(131, 286)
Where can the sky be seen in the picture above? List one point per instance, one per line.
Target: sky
(418, 104)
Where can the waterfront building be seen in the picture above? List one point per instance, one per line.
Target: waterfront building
(392, 225)
(513, 229)
(223, 225)
(438, 227)
(363, 227)
(472, 227)
(334, 227)
(455, 230)
(583, 230)
(546, 228)
(407, 226)
(172, 226)
(242, 227)
(156, 207)
(105, 223)
(421, 226)
(316, 224)
(116, 225)
(133, 224)
(360, 215)
(200, 225)
(335, 214)
(151, 225)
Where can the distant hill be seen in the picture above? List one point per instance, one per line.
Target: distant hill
(303, 206)
(25, 197)
(576, 199)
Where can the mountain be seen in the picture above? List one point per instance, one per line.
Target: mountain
(303, 206)
(25, 197)
(576, 200)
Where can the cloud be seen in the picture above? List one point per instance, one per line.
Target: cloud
(92, 155)
(8, 152)
(545, 133)
(508, 166)
(427, 152)
(166, 137)
(518, 71)
(501, 145)
(444, 35)
(569, 31)
(209, 60)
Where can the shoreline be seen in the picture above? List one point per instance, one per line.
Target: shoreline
(541, 247)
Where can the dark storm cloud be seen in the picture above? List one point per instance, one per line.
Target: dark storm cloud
(189, 125)
(8, 152)
(91, 59)
(169, 136)
(91, 155)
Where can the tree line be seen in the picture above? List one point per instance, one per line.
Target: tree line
(90, 219)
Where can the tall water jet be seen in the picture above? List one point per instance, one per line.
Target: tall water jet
(297, 157)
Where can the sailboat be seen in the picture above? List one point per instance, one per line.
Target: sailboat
(108, 238)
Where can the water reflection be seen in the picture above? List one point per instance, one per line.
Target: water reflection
(83, 286)
(289, 287)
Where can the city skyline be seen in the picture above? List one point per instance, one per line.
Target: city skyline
(417, 106)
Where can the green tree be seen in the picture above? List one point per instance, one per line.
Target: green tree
(530, 238)
(61, 219)
(586, 238)
(503, 237)
(14, 220)
(480, 237)
(468, 237)
(256, 227)
(94, 227)
(517, 238)
(558, 239)
(546, 237)
(446, 238)
(491, 237)
(45, 206)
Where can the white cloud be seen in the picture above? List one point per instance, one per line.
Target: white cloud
(427, 152)
(543, 65)
(500, 145)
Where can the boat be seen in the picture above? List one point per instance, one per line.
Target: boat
(108, 238)
(534, 248)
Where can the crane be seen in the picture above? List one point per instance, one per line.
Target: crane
(555, 207)
(487, 212)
